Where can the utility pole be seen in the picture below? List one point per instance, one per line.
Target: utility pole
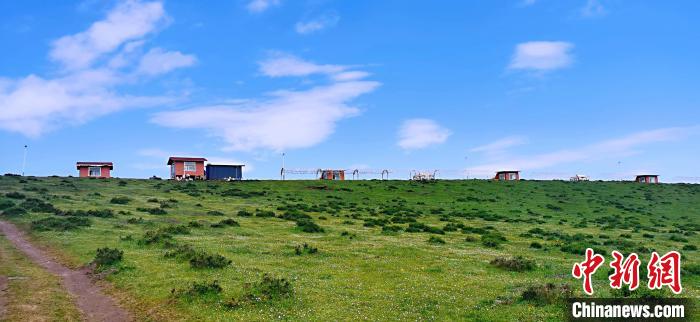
(283, 154)
(24, 160)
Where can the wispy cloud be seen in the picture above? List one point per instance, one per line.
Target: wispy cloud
(593, 8)
(94, 64)
(257, 6)
(280, 120)
(317, 24)
(421, 133)
(612, 148)
(158, 61)
(542, 56)
(500, 144)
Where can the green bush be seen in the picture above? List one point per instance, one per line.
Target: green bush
(107, 257)
(120, 200)
(264, 213)
(226, 223)
(535, 245)
(60, 224)
(690, 247)
(205, 260)
(6, 203)
(15, 195)
(14, 211)
(215, 213)
(309, 226)
(198, 289)
(244, 213)
(153, 211)
(305, 249)
(436, 240)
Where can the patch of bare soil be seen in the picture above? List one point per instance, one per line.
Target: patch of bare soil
(92, 302)
(3, 296)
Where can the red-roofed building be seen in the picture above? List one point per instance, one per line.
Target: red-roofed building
(186, 168)
(508, 175)
(647, 178)
(94, 169)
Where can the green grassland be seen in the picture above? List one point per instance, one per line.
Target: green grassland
(388, 250)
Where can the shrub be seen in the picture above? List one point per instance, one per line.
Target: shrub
(516, 264)
(14, 211)
(535, 245)
(176, 230)
(650, 236)
(135, 220)
(184, 252)
(15, 195)
(120, 200)
(492, 239)
(547, 294)
(198, 289)
(691, 270)
(107, 257)
(305, 249)
(215, 213)
(155, 236)
(195, 224)
(226, 222)
(436, 240)
(152, 200)
(470, 239)
(264, 213)
(6, 203)
(690, 247)
(60, 224)
(677, 238)
(101, 213)
(153, 211)
(37, 205)
(205, 260)
(391, 229)
(309, 226)
(244, 213)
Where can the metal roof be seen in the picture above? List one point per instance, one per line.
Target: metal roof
(185, 159)
(78, 165)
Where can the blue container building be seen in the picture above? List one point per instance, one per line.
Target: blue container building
(224, 171)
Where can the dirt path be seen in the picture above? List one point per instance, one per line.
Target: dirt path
(92, 302)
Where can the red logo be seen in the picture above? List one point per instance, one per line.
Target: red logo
(587, 268)
(626, 271)
(665, 271)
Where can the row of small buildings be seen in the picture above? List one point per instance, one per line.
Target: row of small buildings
(181, 168)
(186, 168)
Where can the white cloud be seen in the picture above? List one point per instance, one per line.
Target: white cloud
(500, 144)
(421, 133)
(613, 148)
(257, 6)
(157, 61)
(88, 86)
(280, 65)
(320, 23)
(283, 119)
(542, 55)
(129, 20)
(593, 8)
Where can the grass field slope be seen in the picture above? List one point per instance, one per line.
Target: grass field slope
(375, 250)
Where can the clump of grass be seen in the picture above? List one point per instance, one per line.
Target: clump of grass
(516, 264)
(153, 211)
(120, 200)
(547, 294)
(215, 213)
(134, 221)
(14, 211)
(305, 249)
(309, 226)
(60, 224)
(154, 237)
(269, 288)
(244, 213)
(690, 247)
(198, 290)
(107, 257)
(226, 223)
(15, 195)
(176, 230)
(6, 204)
(205, 260)
(264, 213)
(492, 239)
(535, 245)
(195, 224)
(37, 205)
(436, 240)
(99, 213)
(391, 229)
(348, 234)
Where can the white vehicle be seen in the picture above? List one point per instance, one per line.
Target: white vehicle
(579, 177)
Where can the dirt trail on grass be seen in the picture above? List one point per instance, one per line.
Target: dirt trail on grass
(92, 302)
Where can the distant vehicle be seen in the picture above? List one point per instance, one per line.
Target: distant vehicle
(423, 176)
(579, 177)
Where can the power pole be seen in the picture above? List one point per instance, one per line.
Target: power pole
(283, 154)
(24, 160)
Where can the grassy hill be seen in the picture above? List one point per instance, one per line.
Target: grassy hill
(379, 250)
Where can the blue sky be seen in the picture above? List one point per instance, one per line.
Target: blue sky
(607, 88)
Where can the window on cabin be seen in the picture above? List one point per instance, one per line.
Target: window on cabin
(642, 179)
(501, 176)
(95, 171)
(512, 176)
(190, 167)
